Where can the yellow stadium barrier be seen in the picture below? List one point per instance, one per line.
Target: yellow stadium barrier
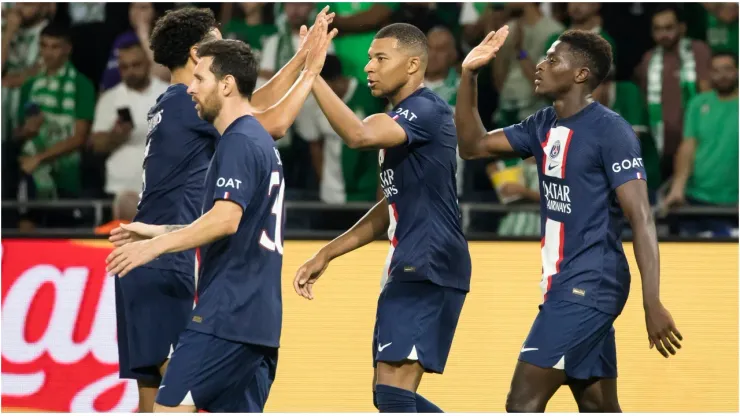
(325, 359)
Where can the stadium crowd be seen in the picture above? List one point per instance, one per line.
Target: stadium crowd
(78, 80)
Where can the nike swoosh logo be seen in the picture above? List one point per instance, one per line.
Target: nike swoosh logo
(551, 166)
(529, 349)
(382, 347)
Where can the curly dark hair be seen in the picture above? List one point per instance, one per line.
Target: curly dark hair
(235, 58)
(177, 31)
(593, 52)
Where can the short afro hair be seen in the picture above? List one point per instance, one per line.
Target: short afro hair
(409, 37)
(178, 31)
(235, 58)
(594, 51)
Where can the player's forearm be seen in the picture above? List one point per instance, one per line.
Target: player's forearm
(470, 129)
(645, 246)
(279, 84)
(278, 118)
(342, 119)
(684, 163)
(367, 229)
(206, 229)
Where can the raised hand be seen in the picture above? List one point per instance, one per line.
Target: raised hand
(482, 54)
(317, 54)
(310, 36)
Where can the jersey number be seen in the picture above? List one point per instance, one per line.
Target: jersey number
(275, 244)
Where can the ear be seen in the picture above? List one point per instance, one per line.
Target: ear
(414, 65)
(583, 74)
(194, 54)
(228, 86)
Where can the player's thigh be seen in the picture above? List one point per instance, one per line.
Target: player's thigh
(532, 387)
(147, 393)
(415, 322)
(404, 375)
(596, 395)
(258, 388)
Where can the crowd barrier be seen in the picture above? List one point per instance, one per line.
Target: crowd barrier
(59, 348)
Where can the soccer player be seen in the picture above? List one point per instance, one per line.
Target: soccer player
(154, 303)
(225, 360)
(427, 273)
(591, 176)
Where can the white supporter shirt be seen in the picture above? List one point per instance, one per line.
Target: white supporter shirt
(313, 125)
(124, 167)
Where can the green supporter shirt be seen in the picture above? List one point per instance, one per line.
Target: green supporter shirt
(713, 123)
(64, 98)
(253, 35)
(352, 49)
(722, 37)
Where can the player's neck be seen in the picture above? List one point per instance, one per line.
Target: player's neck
(570, 105)
(230, 111)
(404, 92)
(182, 75)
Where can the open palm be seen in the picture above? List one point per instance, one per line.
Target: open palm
(482, 54)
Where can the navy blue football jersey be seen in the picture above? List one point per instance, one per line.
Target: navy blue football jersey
(581, 162)
(179, 147)
(418, 180)
(239, 292)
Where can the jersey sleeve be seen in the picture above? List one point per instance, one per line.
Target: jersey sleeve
(620, 154)
(521, 136)
(419, 118)
(239, 164)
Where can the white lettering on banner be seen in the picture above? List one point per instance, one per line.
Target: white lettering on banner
(22, 384)
(626, 164)
(228, 183)
(57, 339)
(557, 196)
(84, 400)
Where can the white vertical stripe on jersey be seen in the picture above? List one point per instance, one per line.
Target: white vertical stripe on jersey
(554, 165)
(393, 215)
(552, 252)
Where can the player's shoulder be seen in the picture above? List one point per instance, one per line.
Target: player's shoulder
(427, 101)
(247, 132)
(608, 125)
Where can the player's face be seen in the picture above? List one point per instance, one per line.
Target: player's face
(134, 66)
(387, 70)
(204, 90)
(555, 74)
(667, 30)
(724, 74)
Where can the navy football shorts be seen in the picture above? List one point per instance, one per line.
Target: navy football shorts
(218, 375)
(572, 337)
(416, 321)
(152, 308)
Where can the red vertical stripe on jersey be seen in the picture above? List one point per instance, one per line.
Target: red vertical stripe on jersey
(565, 153)
(544, 158)
(226, 195)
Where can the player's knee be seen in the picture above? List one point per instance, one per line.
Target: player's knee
(521, 403)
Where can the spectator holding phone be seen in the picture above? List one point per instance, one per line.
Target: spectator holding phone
(121, 126)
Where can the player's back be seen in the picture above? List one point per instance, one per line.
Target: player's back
(239, 291)
(418, 180)
(178, 150)
(582, 160)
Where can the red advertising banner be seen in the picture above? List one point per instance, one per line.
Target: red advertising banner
(59, 348)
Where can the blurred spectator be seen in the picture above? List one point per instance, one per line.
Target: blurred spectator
(141, 16)
(671, 74)
(442, 77)
(514, 65)
(584, 16)
(625, 98)
(113, 134)
(477, 19)
(426, 16)
(344, 174)
(519, 183)
(357, 23)
(124, 210)
(57, 107)
(707, 160)
(251, 28)
(722, 30)
(23, 24)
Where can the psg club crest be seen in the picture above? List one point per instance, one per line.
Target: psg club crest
(555, 151)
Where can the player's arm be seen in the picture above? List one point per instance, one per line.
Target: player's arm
(367, 229)
(277, 87)
(622, 162)
(379, 131)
